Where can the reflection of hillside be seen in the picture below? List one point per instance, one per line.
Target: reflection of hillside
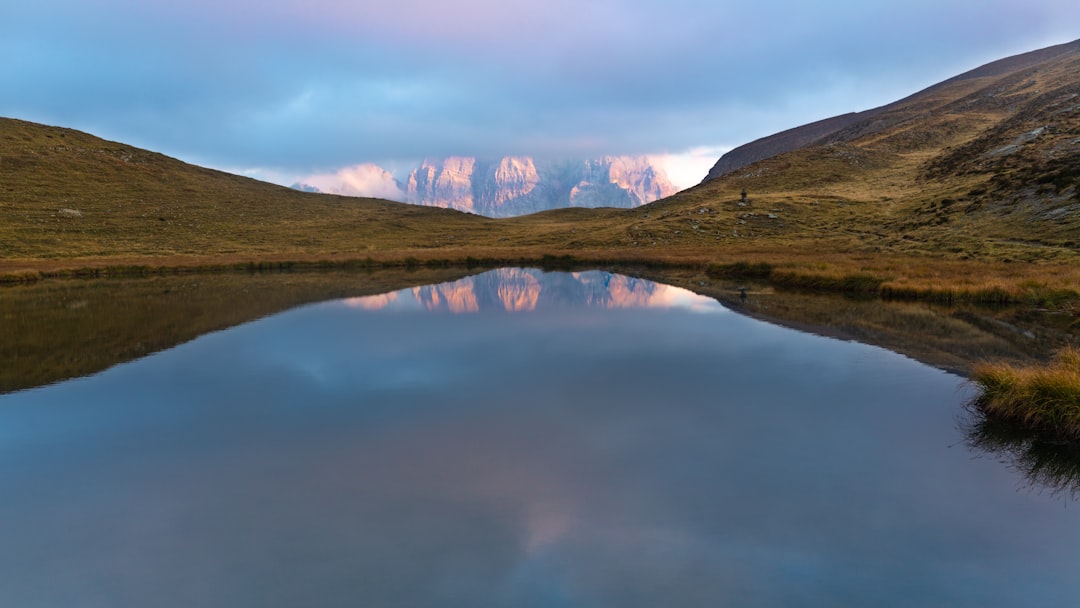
(54, 330)
(61, 329)
(950, 338)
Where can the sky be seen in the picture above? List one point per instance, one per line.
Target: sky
(282, 89)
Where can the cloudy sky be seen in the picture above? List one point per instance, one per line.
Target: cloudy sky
(282, 89)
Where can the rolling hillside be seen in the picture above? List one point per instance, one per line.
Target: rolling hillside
(839, 127)
(64, 193)
(981, 167)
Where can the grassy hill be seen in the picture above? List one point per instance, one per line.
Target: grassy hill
(984, 165)
(952, 186)
(66, 194)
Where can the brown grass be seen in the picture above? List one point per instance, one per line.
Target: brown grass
(1044, 399)
(856, 217)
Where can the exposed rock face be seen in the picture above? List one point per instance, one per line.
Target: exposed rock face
(513, 185)
(443, 183)
(510, 179)
(519, 185)
(620, 181)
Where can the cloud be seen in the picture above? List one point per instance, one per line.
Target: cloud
(688, 168)
(298, 86)
(358, 180)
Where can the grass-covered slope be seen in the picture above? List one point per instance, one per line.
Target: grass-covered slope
(985, 165)
(68, 194)
(950, 187)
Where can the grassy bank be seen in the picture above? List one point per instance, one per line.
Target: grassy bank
(55, 328)
(1043, 399)
(941, 281)
(74, 205)
(1049, 286)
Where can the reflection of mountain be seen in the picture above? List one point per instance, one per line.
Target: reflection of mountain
(525, 290)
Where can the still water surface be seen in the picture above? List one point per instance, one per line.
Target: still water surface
(517, 439)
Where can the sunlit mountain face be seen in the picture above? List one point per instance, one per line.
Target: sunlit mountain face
(530, 290)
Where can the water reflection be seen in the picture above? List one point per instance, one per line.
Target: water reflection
(62, 329)
(529, 290)
(1044, 464)
(337, 455)
(56, 330)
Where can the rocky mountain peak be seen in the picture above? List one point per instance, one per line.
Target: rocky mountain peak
(512, 185)
(511, 178)
(442, 183)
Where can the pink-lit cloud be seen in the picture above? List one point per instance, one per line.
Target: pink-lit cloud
(358, 180)
(304, 87)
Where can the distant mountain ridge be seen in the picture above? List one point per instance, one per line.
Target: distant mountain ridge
(510, 186)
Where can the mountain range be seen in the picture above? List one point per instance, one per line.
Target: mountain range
(510, 186)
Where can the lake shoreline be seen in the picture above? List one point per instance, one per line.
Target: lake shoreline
(1047, 286)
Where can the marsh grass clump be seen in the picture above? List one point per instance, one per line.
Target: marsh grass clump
(20, 276)
(1042, 399)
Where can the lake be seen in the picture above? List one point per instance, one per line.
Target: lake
(518, 438)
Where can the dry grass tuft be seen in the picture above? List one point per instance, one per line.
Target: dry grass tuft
(1044, 399)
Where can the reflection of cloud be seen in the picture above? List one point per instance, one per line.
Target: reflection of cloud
(372, 302)
(642, 462)
(666, 296)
